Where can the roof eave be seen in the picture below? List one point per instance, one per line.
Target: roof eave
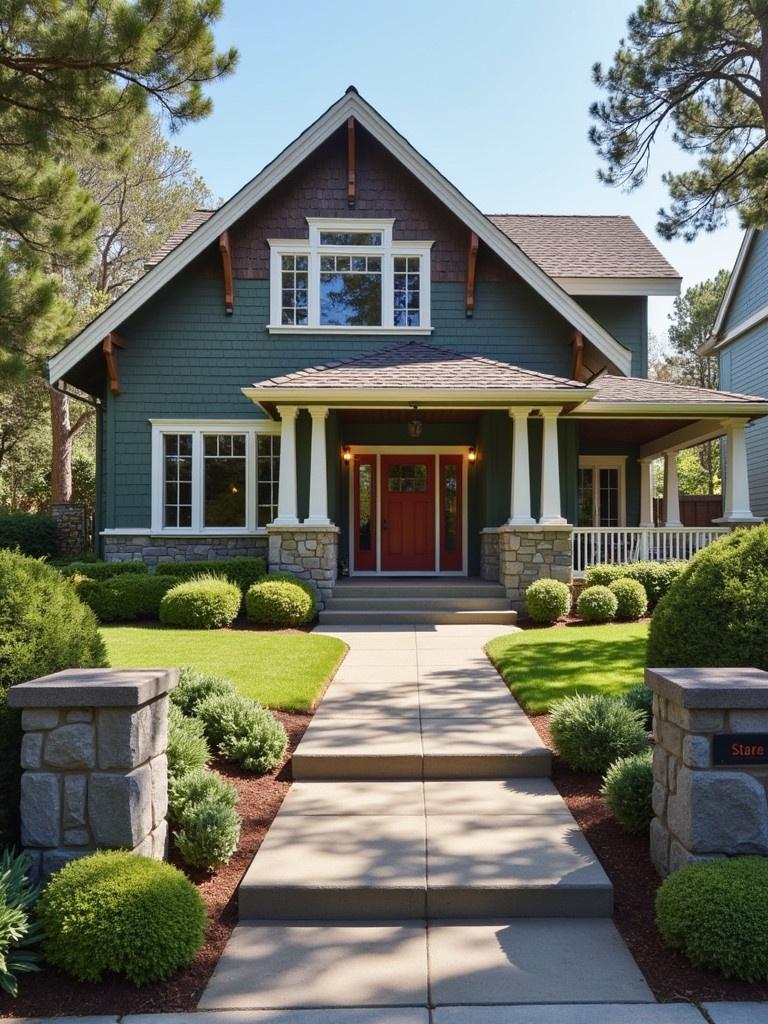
(724, 408)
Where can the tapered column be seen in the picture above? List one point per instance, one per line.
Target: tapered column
(550, 470)
(646, 492)
(521, 471)
(318, 470)
(287, 512)
(671, 491)
(736, 472)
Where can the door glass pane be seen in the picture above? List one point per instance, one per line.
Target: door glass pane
(586, 498)
(608, 506)
(365, 492)
(407, 477)
(450, 506)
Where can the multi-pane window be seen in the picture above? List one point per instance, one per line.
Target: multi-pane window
(224, 472)
(295, 289)
(267, 477)
(407, 478)
(407, 288)
(601, 484)
(350, 291)
(177, 487)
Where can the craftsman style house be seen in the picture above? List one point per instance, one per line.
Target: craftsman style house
(349, 368)
(739, 342)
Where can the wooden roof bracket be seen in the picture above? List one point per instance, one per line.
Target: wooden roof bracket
(226, 266)
(351, 164)
(110, 347)
(577, 346)
(474, 244)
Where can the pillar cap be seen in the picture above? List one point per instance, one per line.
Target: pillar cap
(710, 687)
(94, 687)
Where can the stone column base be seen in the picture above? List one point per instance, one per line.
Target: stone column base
(71, 539)
(489, 554)
(309, 552)
(529, 553)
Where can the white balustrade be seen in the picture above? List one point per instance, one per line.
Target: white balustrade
(608, 545)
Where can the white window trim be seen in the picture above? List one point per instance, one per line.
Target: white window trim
(597, 462)
(197, 428)
(312, 249)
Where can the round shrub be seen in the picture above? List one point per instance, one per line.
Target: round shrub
(187, 748)
(631, 598)
(116, 912)
(196, 787)
(591, 732)
(627, 790)
(714, 914)
(640, 698)
(205, 602)
(194, 687)
(547, 600)
(716, 611)
(125, 597)
(280, 602)
(243, 731)
(597, 604)
(208, 834)
(656, 577)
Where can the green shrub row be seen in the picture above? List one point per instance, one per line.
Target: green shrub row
(656, 577)
(123, 598)
(31, 534)
(101, 570)
(242, 571)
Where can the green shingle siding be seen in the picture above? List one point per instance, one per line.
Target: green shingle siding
(744, 367)
(626, 318)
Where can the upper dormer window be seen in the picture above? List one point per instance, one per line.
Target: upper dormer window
(350, 276)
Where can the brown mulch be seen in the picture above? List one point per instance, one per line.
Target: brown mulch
(627, 863)
(52, 993)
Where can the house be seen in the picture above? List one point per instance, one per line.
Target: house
(739, 341)
(348, 367)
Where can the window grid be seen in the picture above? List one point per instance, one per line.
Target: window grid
(268, 477)
(177, 483)
(294, 269)
(407, 277)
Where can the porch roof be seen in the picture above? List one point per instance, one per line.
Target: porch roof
(631, 395)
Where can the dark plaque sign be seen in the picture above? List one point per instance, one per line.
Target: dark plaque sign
(741, 748)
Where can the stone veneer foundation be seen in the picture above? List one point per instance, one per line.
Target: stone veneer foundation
(153, 550)
(71, 529)
(518, 555)
(94, 765)
(702, 811)
(310, 552)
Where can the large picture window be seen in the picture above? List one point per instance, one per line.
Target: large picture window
(350, 275)
(214, 477)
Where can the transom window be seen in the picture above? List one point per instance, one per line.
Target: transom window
(350, 275)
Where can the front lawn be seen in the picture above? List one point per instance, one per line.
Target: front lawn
(287, 670)
(541, 666)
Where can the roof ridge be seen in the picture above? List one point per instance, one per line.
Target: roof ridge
(572, 216)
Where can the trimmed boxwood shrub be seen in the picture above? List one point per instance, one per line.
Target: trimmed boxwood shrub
(714, 914)
(280, 602)
(547, 600)
(194, 687)
(656, 577)
(640, 698)
(119, 913)
(32, 534)
(627, 789)
(101, 570)
(716, 612)
(243, 731)
(632, 600)
(196, 787)
(123, 598)
(205, 602)
(593, 731)
(242, 571)
(187, 748)
(597, 604)
(201, 806)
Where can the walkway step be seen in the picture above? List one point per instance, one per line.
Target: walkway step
(442, 587)
(410, 603)
(378, 616)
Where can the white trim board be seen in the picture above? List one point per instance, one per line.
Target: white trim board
(351, 104)
(620, 285)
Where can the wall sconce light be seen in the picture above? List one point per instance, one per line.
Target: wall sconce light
(346, 453)
(472, 454)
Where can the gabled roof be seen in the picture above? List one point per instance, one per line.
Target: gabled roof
(351, 104)
(716, 338)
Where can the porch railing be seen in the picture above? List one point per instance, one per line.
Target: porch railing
(606, 545)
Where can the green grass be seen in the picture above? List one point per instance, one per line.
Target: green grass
(542, 666)
(286, 670)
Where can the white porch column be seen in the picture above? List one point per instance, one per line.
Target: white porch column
(521, 473)
(318, 470)
(550, 470)
(671, 491)
(287, 512)
(736, 506)
(646, 492)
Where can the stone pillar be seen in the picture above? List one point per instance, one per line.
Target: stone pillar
(318, 470)
(520, 498)
(287, 500)
(94, 767)
(71, 532)
(550, 470)
(533, 553)
(704, 808)
(310, 552)
(671, 491)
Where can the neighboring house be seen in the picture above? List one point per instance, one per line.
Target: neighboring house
(739, 341)
(349, 365)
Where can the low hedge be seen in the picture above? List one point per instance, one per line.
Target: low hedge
(547, 600)
(280, 601)
(242, 571)
(125, 597)
(101, 570)
(114, 912)
(627, 789)
(597, 604)
(714, 914)
(31, 534)
(593, 731)
(204, 602)
(656, 577)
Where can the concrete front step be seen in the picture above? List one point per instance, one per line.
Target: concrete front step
(418, 588)
(416, 617)
(410, 603)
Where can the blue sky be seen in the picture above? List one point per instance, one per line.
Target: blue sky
(494, 93)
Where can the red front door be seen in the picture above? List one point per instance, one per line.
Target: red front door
(407, 513)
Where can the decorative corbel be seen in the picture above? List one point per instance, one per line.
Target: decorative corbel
(577, 345)
(474, 244)
(351, 164)
(110, 347)
(226, 266)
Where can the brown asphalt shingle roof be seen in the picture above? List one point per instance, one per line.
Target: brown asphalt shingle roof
(415, 365)
(577, 246)
(611, 388)
(179, 235)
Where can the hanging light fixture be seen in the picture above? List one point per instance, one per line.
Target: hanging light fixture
(415, 426)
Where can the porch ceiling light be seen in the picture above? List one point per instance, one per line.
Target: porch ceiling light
(415, 425)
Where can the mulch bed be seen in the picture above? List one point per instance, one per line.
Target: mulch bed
(52, 993)
(627, 863)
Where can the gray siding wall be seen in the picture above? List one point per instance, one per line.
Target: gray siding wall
(744, 368)
(752, 289)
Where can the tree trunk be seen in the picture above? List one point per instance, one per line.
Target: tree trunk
(61, 453)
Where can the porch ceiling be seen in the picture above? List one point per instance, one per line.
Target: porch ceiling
(404, 415)
(628, 431)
